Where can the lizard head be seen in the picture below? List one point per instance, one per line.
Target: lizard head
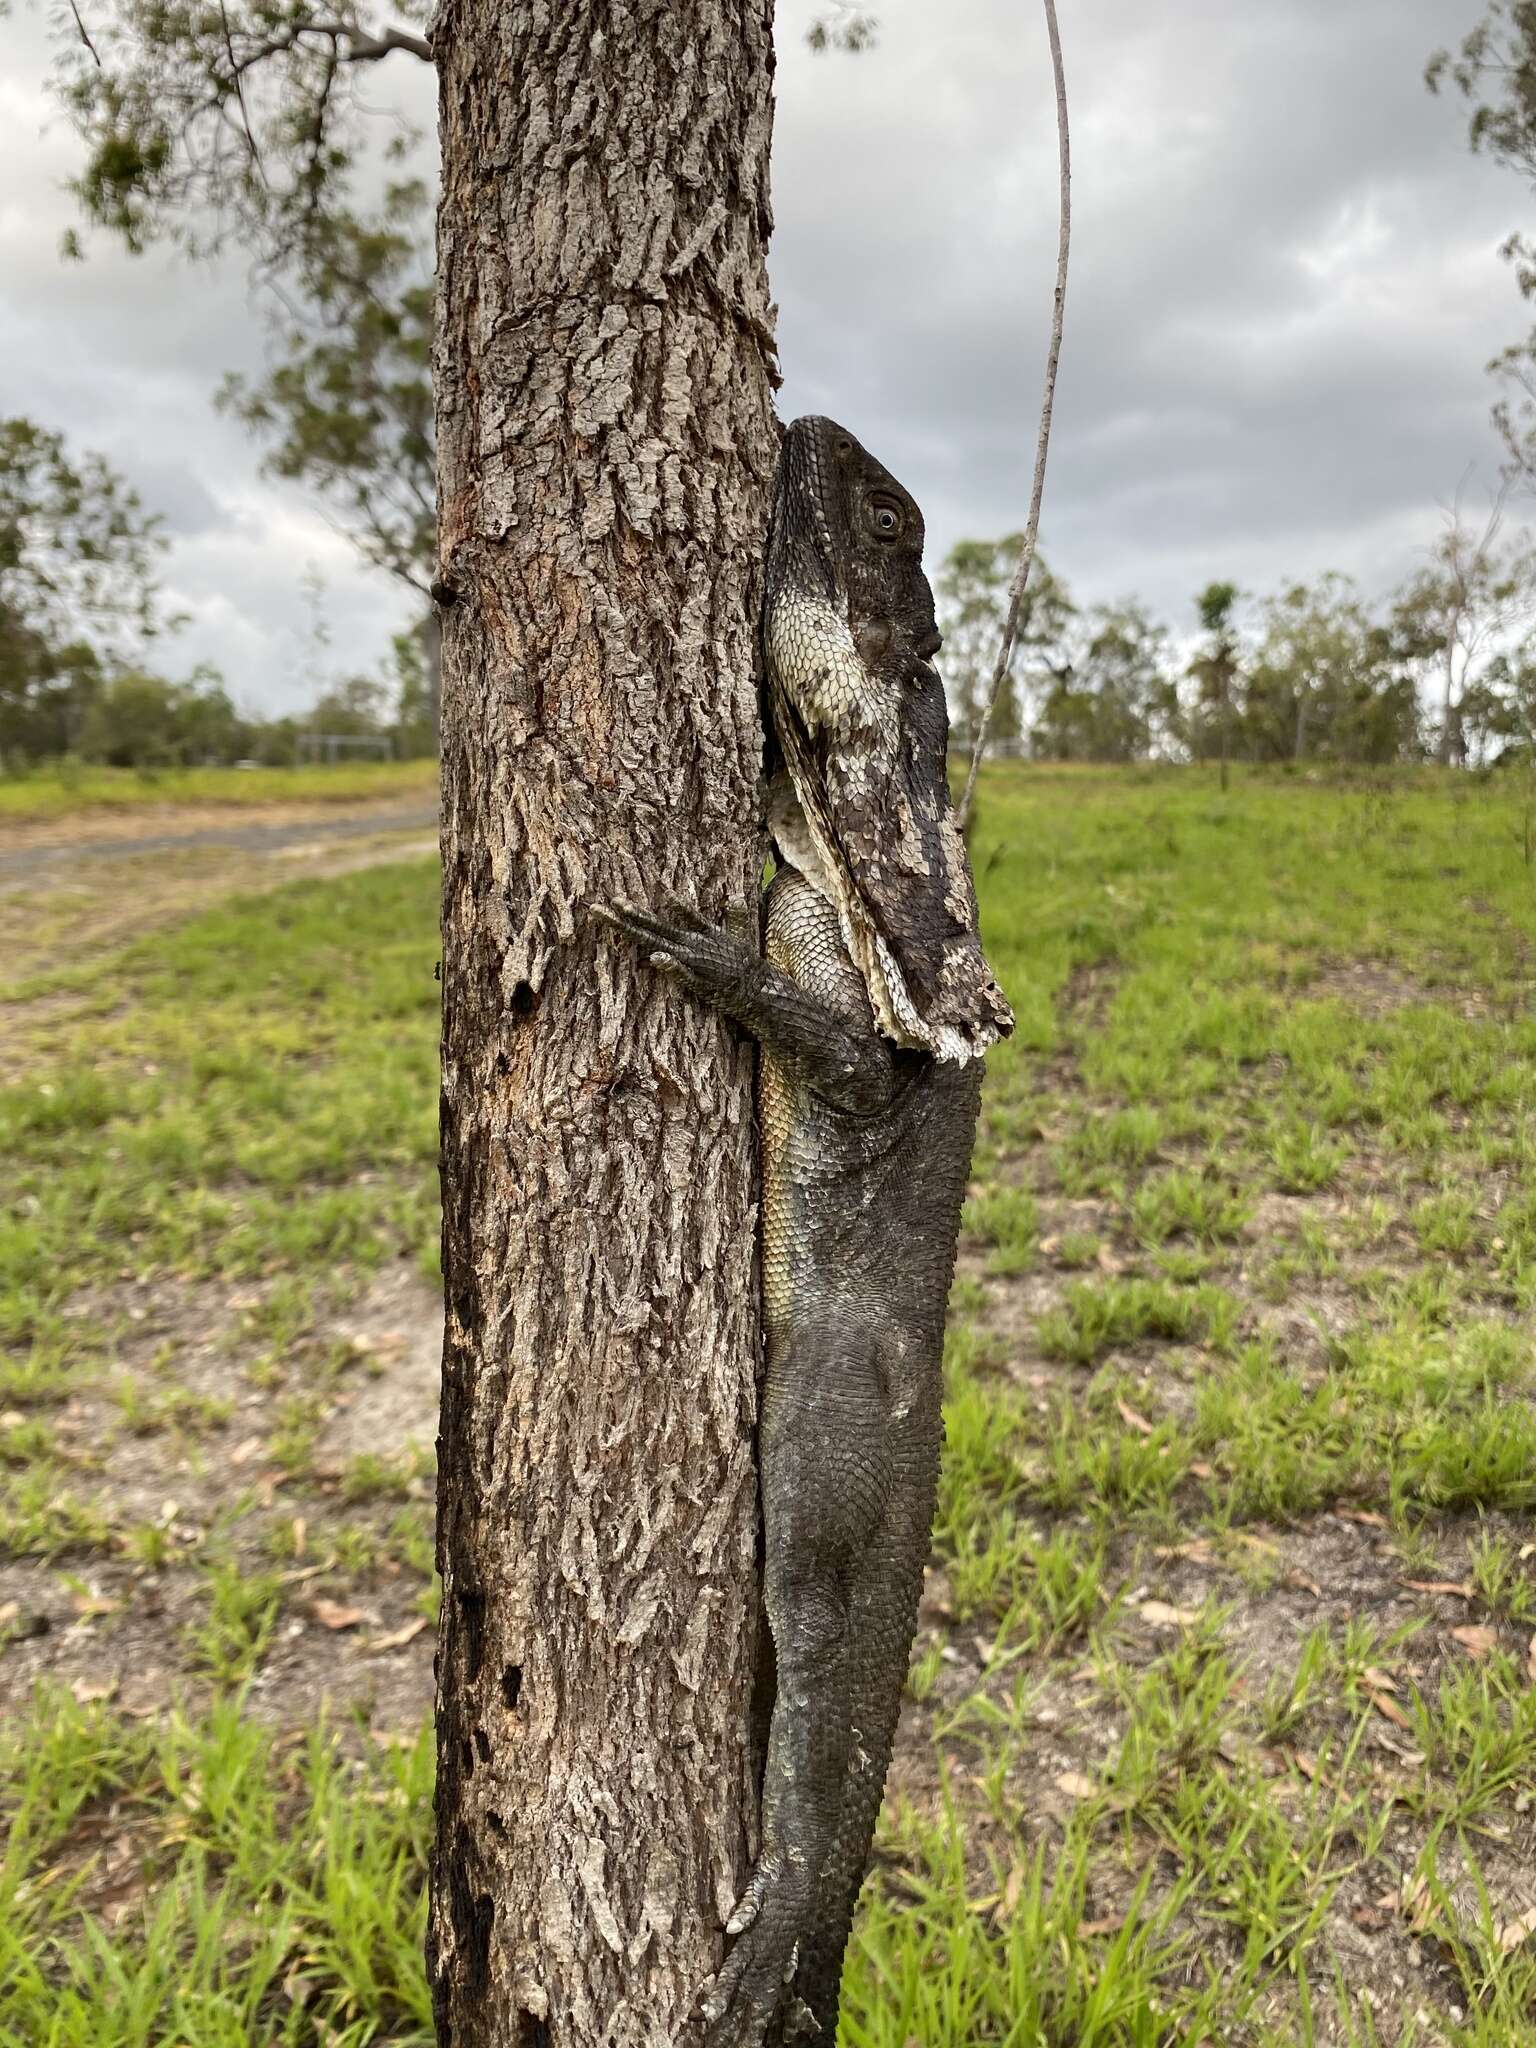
(860, 797)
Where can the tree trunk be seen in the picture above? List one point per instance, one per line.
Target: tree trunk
(432, 663)
(1449, 734)
(1226, 730)
(606, 443)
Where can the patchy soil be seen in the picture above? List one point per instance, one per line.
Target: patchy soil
(179, 1441)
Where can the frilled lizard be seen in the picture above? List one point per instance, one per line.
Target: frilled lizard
(872, 1003)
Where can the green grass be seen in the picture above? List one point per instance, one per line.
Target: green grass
(274, 1891)
(55, 793)
(1240, 1356)
(258, 1100)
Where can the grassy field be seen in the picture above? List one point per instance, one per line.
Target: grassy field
(1222, 1714)
(59, 794)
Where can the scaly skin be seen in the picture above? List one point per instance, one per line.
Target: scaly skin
(871, 1007)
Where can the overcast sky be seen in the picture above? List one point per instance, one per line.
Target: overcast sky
(1285, 287)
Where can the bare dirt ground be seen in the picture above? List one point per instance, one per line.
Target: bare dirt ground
(221, 1477)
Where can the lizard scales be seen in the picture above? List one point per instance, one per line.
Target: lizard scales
(872, 1003)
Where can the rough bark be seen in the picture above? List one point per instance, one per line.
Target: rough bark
(606, 445)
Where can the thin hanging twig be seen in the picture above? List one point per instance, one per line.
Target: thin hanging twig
(1042, 448)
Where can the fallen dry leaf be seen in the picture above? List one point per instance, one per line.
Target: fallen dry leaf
(1415, 1904)
(1476, 1641)
(1075, 1785)
(1378, 1680)
(1304, 1583)
(1513, 1932)
(244, 1452)
(1134, 1421)
(398, 1637)
(1530, 1660)
(89, 1605)
(330, 1614)
(1388, 1709)
(86, 1690)
(1456, 1586)
(1160, 1615)
(1366, 1517)
(1087, 1928)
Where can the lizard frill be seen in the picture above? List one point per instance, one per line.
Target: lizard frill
(862, 733)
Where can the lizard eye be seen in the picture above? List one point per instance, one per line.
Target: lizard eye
(885, 518)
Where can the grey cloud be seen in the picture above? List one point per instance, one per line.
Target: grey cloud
(1284, 289)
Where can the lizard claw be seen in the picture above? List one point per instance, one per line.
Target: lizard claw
(679, 941)
(768, 1923)
(749, 1905)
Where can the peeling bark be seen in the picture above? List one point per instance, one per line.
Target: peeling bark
(606, 445)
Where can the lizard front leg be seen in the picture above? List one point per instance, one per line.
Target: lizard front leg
(854, 1069)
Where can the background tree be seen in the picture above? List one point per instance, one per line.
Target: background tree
(1494, 69)
(246, 122)
(971, 599)
(1215, 674)
(78, 585)
(1457, 612)
(1115, 699)
(249, 125)
(1326, 683)
(354, 707)
(415, 655)
(347, 408)
(138, 720)
(1501, 722)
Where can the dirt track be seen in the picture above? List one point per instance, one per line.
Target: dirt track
(30, 851)
(72, 887)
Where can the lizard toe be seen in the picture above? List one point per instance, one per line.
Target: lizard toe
(747, 1995)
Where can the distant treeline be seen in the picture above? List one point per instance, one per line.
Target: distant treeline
(1445, 669)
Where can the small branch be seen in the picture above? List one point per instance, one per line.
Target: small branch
(1047, 405)
(349, 45)
(245, 117)
(363, 49)
(85, 34)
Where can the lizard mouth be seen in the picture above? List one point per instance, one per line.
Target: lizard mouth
(863, 748)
